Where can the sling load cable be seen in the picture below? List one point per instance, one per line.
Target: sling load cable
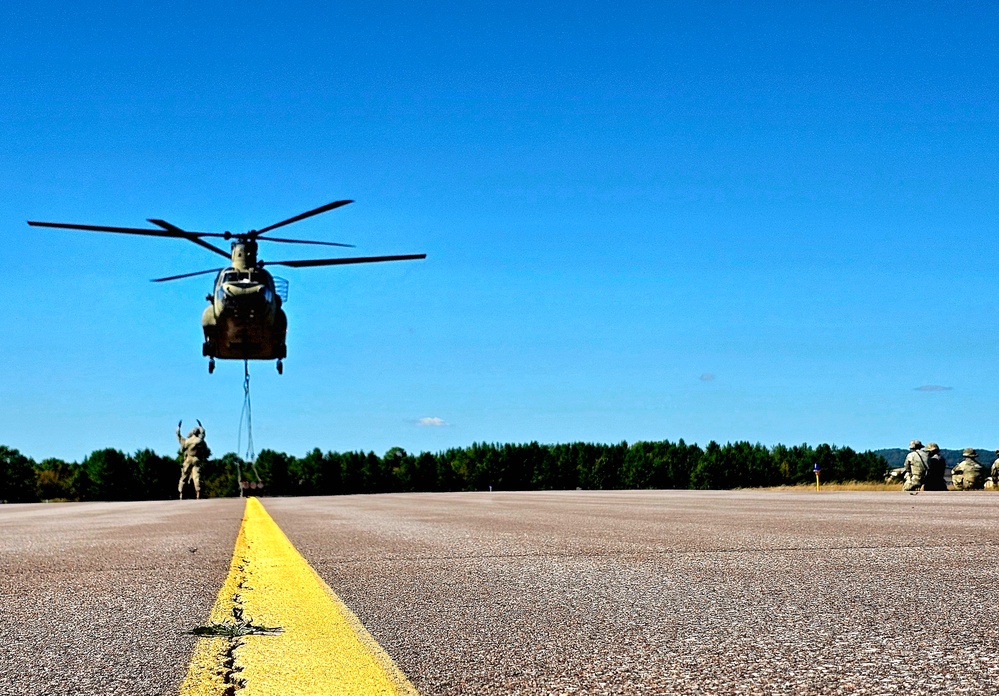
(247, 415)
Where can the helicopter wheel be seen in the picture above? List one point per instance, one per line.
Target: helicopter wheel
(280, 367)
(211, 365)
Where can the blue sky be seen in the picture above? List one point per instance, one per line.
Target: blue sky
(760, 221)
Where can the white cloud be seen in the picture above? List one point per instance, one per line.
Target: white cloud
(933, 388)
(707, 377)
(432, 422)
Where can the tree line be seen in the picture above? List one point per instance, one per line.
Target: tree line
(110, 474)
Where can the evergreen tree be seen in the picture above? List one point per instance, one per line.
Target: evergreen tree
(711, 469)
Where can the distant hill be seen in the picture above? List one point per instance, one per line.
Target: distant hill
(896, 457)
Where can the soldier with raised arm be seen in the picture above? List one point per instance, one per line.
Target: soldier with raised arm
(195, 451)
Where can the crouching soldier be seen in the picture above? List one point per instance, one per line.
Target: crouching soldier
(896, 475)
(195, 451)
(916, 466)
(969, 475)
(994, 478)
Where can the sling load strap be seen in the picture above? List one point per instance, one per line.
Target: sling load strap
(247, 416)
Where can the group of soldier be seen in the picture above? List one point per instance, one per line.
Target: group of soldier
(925, 469)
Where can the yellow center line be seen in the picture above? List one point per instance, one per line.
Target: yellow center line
(322, 649)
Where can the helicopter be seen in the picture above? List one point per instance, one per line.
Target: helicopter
(244, 319)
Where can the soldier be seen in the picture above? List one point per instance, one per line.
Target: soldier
(915, 467)
(936, 466)
(995, 471)
(896, 475)
(195, 451)
(969, 474)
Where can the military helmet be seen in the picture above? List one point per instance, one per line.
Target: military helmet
(916, 444)
(969, 452)
(932, 447)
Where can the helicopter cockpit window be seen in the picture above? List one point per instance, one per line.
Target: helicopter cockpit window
(235, 277)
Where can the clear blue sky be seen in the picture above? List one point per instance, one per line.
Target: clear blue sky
(727, 220)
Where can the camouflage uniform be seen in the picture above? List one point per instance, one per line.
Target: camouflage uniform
(195, 451)
(995, 470)
(969, 475)
(936, 468)
(916, 466)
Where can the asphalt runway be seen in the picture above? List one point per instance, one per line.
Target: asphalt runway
(578, 592)
(95, 598)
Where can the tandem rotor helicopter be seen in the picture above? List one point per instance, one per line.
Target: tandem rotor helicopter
(244, 319)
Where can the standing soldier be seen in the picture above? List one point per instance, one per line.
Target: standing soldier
(995, 471)
(969, 474)
(195, 451)
(915, 467)
(936, 466)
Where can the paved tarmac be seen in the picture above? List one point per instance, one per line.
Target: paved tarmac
(628, 592)
(95, 598)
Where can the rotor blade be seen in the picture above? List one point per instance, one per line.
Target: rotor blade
(193, 236)
(321, 209)
(341, 262)
(185, 275)
(103, 228)
(303, 241)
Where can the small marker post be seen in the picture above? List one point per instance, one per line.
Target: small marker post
(816, 470)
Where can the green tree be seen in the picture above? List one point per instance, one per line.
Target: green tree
(423, 476)
(639, 466)
(220, 477)
(308, 474)
(54, 480)
(711, 470)
(275, 470)
(397, 467)
(111, 475)
(17, 477)
(352, 472)
(375, 476)
(157, 476)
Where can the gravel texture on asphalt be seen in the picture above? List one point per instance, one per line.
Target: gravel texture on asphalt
(95, 598)
(626, 592)
(659, 592)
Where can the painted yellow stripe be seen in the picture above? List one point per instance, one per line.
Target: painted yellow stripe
(323, 648)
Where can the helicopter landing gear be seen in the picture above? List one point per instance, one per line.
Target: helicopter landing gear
(280, 367)
(211, 365)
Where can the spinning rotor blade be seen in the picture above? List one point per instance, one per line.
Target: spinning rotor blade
(185, 275)
(171, 231)
(321, 209)
(342, 262)
(103, 228)
(193, 236)
(303, 241)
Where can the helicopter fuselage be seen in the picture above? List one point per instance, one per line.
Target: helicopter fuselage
(244, 319)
